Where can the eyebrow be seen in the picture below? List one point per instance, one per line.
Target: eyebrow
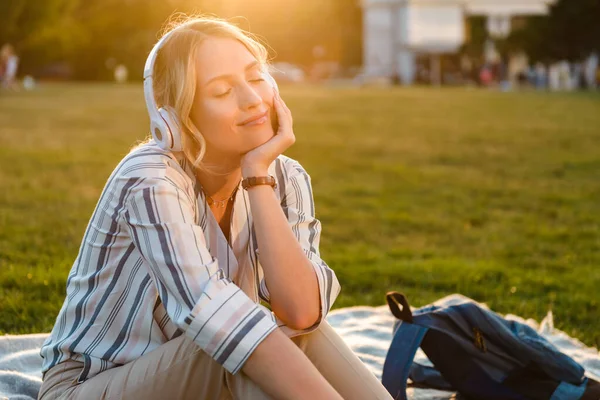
(248, 67)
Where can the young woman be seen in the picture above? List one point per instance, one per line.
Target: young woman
(163, 300)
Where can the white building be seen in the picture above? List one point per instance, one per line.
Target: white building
(396, 31)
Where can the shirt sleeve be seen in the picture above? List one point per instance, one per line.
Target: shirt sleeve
(298, 206)
(199, 299)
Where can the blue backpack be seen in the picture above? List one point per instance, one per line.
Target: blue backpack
(479, 354)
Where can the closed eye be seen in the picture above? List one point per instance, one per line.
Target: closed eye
(228, 91)
(223, 94)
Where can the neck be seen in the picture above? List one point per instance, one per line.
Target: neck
(219, 181)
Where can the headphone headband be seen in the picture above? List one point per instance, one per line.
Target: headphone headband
(148, 78)
(164, 124)
(148, 68)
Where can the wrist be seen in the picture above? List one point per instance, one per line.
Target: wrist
(253, 170)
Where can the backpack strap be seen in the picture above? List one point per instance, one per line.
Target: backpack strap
(404, 314)
(567, 390)
(406, 342)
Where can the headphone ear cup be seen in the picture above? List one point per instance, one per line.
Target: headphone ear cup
(160, 132)
(173, 141)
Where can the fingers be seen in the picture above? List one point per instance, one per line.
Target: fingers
(285, 107)
(284, 114)
(279, 102)
(285, 132)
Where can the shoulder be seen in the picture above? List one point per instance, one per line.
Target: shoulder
(286, 168)
(293, 182)
(148, 162)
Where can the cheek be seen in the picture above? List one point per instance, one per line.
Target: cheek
(213, 118)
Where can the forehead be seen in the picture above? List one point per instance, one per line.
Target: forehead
(221, 56)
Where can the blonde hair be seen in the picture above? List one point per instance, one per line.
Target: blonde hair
(175, 71)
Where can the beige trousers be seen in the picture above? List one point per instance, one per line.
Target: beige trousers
(180, 369)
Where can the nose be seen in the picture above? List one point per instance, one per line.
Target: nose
(249, 97)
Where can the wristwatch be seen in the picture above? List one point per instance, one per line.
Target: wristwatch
(259, 180)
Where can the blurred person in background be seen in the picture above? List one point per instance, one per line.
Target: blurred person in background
(163, 300)
(485, 75)
(591, 71)
(10, 64)
(2, 69)
(541, 76)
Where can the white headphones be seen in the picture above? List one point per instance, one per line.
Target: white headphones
(164, 123)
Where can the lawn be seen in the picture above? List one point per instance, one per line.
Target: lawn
(424, 191)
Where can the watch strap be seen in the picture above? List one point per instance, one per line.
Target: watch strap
(259, 180)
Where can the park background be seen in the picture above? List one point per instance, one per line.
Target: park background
(424, 189)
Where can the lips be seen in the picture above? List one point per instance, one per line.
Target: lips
(256, 119)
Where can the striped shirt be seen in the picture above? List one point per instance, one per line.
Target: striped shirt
(154, 264)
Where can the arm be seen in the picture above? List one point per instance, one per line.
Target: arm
(294, 296)
(283, 371)
(301, 287)
(198, 298)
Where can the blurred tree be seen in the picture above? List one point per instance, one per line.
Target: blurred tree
(476, 33)
(38, 30)
(115, 30)
(91, 36)
(571, 32)
(350, 24)
(83, 33)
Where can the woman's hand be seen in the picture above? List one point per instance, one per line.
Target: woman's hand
(256, 162)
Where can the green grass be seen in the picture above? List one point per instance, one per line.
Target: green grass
(428, 192)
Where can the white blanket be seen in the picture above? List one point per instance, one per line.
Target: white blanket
(367, 330)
